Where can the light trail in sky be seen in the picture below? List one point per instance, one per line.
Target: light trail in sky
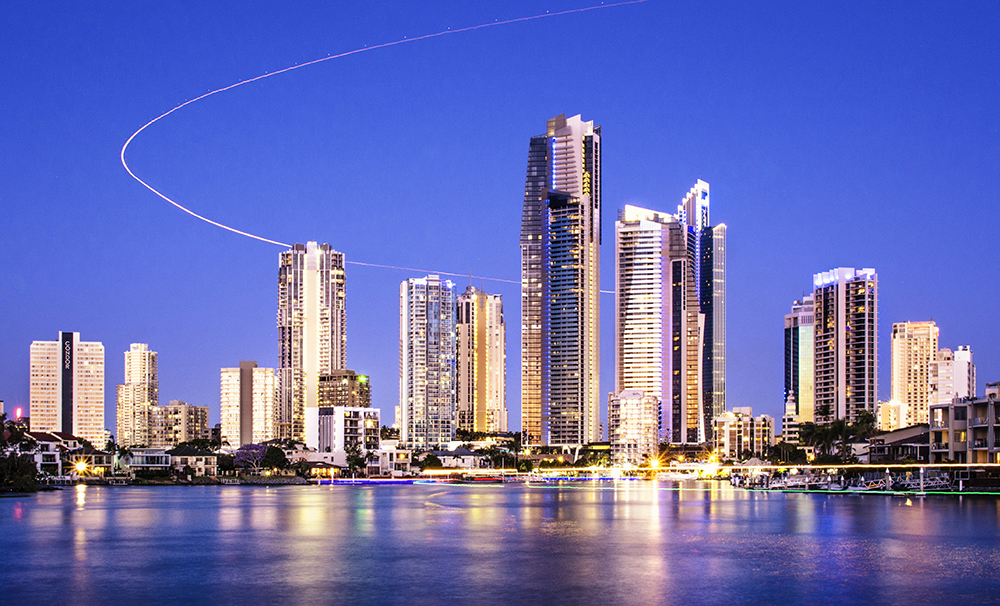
(321, 60)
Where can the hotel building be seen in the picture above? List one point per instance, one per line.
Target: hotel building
(846, 344)
(633, 427)
(426, 362)
(137, 396)
(914, 347)
(312, 329)
(67, 387)
(560, 285)
(481, 347)
(952, 375)
(738, 432)
(249, 404)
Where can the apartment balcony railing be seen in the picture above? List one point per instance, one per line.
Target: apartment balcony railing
(938, 446)
(939, 424)
(981, 443)
(980, 421)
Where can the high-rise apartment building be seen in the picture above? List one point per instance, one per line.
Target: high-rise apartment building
(312, 329)
(799, 351)
(177, 422)
(481, 349)
(633, 425)
(426, 362)
(67, 387)
(846, 343)
(560, 285)
(952, 375)
(249, 404)
(137, 396)
(345, 388)
(914, 347)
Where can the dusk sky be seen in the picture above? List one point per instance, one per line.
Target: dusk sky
(832, 134)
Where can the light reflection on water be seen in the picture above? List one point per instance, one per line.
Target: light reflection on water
(611, 542)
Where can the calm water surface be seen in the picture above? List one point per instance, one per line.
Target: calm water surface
(586, 543)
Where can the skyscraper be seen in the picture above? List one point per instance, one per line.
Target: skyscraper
(560, 284)
(249, 404)
(914, 347)
(67, 387)
(177, 422)
(426, 362)
(846, 343)
(312, 329)
(137, 395)
(482, 361)
(799, 351)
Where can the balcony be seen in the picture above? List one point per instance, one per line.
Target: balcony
(939, 424)
(938, 446)
(979, 421)
(980, 443)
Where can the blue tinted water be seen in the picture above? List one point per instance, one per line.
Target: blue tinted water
(587, 543)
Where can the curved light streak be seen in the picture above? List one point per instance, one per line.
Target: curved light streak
(321, 60)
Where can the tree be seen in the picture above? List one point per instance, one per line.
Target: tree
(17, 465)
(200, 444)
(431, 461)
(355, 457)
(389, 433)
(250, 457)
(225, 463)
(274, 458)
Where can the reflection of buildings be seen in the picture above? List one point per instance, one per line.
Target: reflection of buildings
(426, 362)
(481, 337)
(738, 432)
(633, 427)
(967, 430)
(914, 346)
(248, 404)
(67, 387)
(846, 343)
(312, 329)
(560, 285)
(137, 396)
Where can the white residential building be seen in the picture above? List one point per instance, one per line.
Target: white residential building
(952, 375)
(249, 406)
(738, 431)
(633, 427)
(914, 347)
(67, 387)
(339, 426)
(137, 396)
(481, 349)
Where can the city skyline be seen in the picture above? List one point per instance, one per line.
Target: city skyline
(799, 112)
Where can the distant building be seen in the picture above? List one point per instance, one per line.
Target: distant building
(249, 407)
(481, 365)
(337, 427)
(312, 330)
(426, 362)
(178, 422)
(906, 443)
(633, 427)
(891, 416)
(914, 347)
(738, 431)
(67, 387)
(952, 375)
(137, 396)
(846, 343)
(344, 388)
(799, 351)
(200, 462)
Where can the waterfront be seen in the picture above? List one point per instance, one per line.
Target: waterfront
(588, 542)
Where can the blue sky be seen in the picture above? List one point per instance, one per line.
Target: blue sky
(832, 135)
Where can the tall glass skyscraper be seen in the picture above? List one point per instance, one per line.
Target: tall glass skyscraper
(670, 310)
(312, 329)
(560, 285)
(426, 362)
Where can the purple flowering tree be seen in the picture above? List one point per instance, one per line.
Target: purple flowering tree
(250, 456)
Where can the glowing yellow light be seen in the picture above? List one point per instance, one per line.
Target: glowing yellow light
(81, 466)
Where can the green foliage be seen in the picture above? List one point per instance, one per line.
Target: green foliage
(355, 458)
(225, 463)
(17, 465)
(431, 461)
(389, 433)
(201, 444)
(274, 458)
(525, 465)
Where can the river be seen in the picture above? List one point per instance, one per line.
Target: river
(627, 542)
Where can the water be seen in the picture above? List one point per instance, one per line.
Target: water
(586, 543)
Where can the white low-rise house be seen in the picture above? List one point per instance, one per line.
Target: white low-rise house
(202, 462)
(332, 428)
(394, 461)
(47, 452)
(148, 460)
(460, 458)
